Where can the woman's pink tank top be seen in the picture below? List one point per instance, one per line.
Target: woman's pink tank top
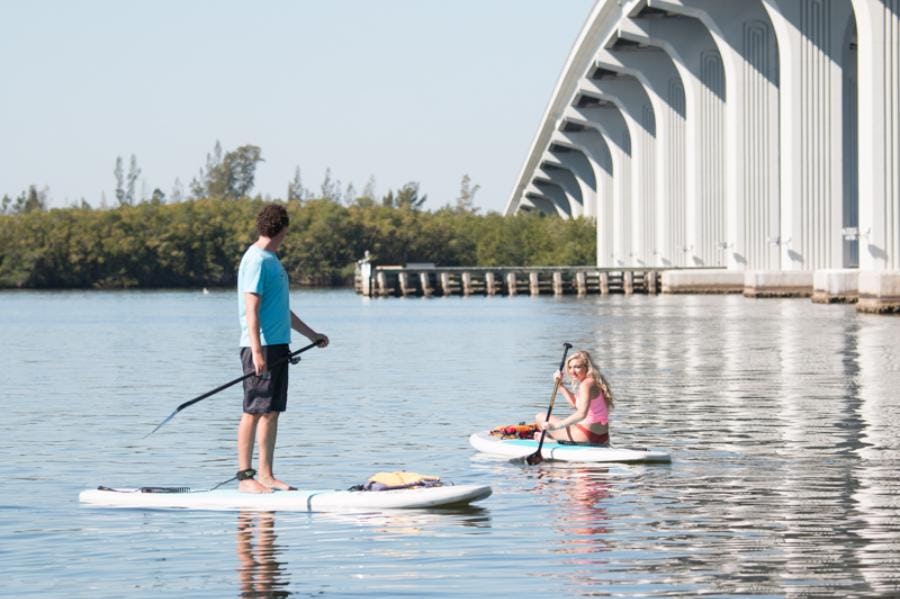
(597, 411)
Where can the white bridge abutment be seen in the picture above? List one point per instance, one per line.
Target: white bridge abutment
(574, 161)
(746, 41)
(537, 193)
(558, 174)
(663, 88)
(811, 36)
(533, 200)
(639, 217)
(552, 191)
(592, 145)
(561, 182)
(786, 113)
(614, 220)
(694, 54)
(878, 46)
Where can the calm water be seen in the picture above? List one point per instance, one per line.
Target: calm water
(781, 417)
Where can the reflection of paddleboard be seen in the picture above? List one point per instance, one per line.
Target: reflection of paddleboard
(288, 501)
(520, 448)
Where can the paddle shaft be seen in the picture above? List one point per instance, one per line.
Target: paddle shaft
(229, 384)
(536, 456)
(246, 376)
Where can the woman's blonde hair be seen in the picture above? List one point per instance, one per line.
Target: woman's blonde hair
(592, 372)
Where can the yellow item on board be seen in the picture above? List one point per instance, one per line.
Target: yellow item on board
(401, 478)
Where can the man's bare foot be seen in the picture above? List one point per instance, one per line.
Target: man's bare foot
(252, 486)
(274, 483)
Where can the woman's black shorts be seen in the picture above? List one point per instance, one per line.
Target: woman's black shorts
(268, 392)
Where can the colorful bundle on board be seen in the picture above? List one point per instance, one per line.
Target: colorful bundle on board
(515, 431)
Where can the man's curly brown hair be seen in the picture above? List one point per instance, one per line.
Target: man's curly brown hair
(271, 220)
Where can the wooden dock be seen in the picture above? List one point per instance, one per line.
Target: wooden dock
(426, 280)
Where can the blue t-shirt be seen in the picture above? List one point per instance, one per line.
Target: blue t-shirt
(262, 273)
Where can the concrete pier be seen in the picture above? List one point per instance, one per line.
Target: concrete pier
(778, 283)
(835, 286)
(702, 281)
(879, 292)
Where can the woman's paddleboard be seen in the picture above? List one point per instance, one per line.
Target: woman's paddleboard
(520, 448)
(287, 501)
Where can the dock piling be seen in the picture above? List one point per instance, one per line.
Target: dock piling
(511, 283)
(490, 285)
(557, 283)
(425, 284)
(445, 284)
(467, 283)
(403, 281)
(381, 283)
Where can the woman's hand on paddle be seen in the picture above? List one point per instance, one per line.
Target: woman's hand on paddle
(557, 377)
(545, 426)
(320, 340)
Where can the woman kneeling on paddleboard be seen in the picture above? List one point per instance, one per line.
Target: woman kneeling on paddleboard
(591, 400)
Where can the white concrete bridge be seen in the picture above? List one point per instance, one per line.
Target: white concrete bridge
(760, 136)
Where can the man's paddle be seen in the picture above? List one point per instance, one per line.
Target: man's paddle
(536, 457)
(291, 358)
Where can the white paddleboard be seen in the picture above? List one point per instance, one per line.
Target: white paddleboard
(290, 501)
(520, 448)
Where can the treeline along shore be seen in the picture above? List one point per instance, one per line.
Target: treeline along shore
(198, 243)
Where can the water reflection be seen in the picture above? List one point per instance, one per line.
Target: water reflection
(263, 571)
(579, 513)
(875, 497)
(260, 573)
(414, 522)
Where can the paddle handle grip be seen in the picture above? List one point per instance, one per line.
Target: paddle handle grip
(562, 364)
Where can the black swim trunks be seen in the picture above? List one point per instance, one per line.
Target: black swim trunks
(268, 392)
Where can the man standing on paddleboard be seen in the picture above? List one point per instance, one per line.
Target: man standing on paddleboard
(266, 323)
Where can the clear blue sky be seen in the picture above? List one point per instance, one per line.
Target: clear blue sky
(405, 90)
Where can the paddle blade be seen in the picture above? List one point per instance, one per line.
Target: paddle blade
(535, 458)
(531, 460)
(159, 426)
